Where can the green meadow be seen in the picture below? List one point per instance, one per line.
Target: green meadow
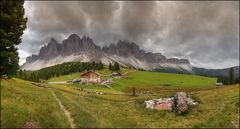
(143, 79)
(116, 108)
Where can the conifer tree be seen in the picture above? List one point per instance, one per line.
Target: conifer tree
(116, 66)
(12, 24)
(231, 75)
(110, 67)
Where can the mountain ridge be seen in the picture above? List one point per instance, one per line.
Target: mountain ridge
(84, 49)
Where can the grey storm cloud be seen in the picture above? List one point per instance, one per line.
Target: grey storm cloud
(206, 33)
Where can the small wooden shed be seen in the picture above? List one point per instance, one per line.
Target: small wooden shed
(116, 75)
(219, 84)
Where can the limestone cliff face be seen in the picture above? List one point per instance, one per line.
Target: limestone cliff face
(126, 49)
(84, 49)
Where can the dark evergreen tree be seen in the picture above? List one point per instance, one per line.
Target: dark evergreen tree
(110, 67)
(231, 75)
(223, 79)
(116, 66)
(101, 65)
(237, 80)
(12, 24)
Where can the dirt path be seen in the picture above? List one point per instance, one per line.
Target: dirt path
(66, 112)
(58, 82)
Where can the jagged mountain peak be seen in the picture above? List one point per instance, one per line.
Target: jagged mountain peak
(52, 42)
(73, 37)
(84, 49)
(125, 43)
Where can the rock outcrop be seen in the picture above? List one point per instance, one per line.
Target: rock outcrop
(160, 104)
(180, 102)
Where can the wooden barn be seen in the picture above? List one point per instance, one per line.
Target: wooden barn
(91, 77)
(116, 75)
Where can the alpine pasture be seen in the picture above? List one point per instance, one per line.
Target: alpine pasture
(115, 107)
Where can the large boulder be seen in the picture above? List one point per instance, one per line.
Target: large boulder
(180, 102)
(149, 104)
(160, 104)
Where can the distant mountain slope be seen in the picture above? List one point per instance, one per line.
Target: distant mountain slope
(85, 50)
(216, 72)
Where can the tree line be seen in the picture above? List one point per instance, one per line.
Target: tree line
(57, 70)
(227, 81)
(114, 67)
(230, 79)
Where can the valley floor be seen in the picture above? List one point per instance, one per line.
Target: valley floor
(23, 103)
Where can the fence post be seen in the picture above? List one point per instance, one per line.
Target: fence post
(133, 91)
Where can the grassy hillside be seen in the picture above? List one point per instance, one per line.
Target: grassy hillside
(21, 102)
(110, 111)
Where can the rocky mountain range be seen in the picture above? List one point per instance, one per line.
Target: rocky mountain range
(84, 49)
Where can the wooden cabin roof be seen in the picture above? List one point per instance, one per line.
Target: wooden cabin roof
(116, 74)
(90, 72)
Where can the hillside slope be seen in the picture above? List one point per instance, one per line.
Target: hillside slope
(22, 102)
(123, 111)
(216, 72)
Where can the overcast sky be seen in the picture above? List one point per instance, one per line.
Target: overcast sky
(206, 33)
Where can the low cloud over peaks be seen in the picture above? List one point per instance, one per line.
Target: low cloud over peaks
(207, 33)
